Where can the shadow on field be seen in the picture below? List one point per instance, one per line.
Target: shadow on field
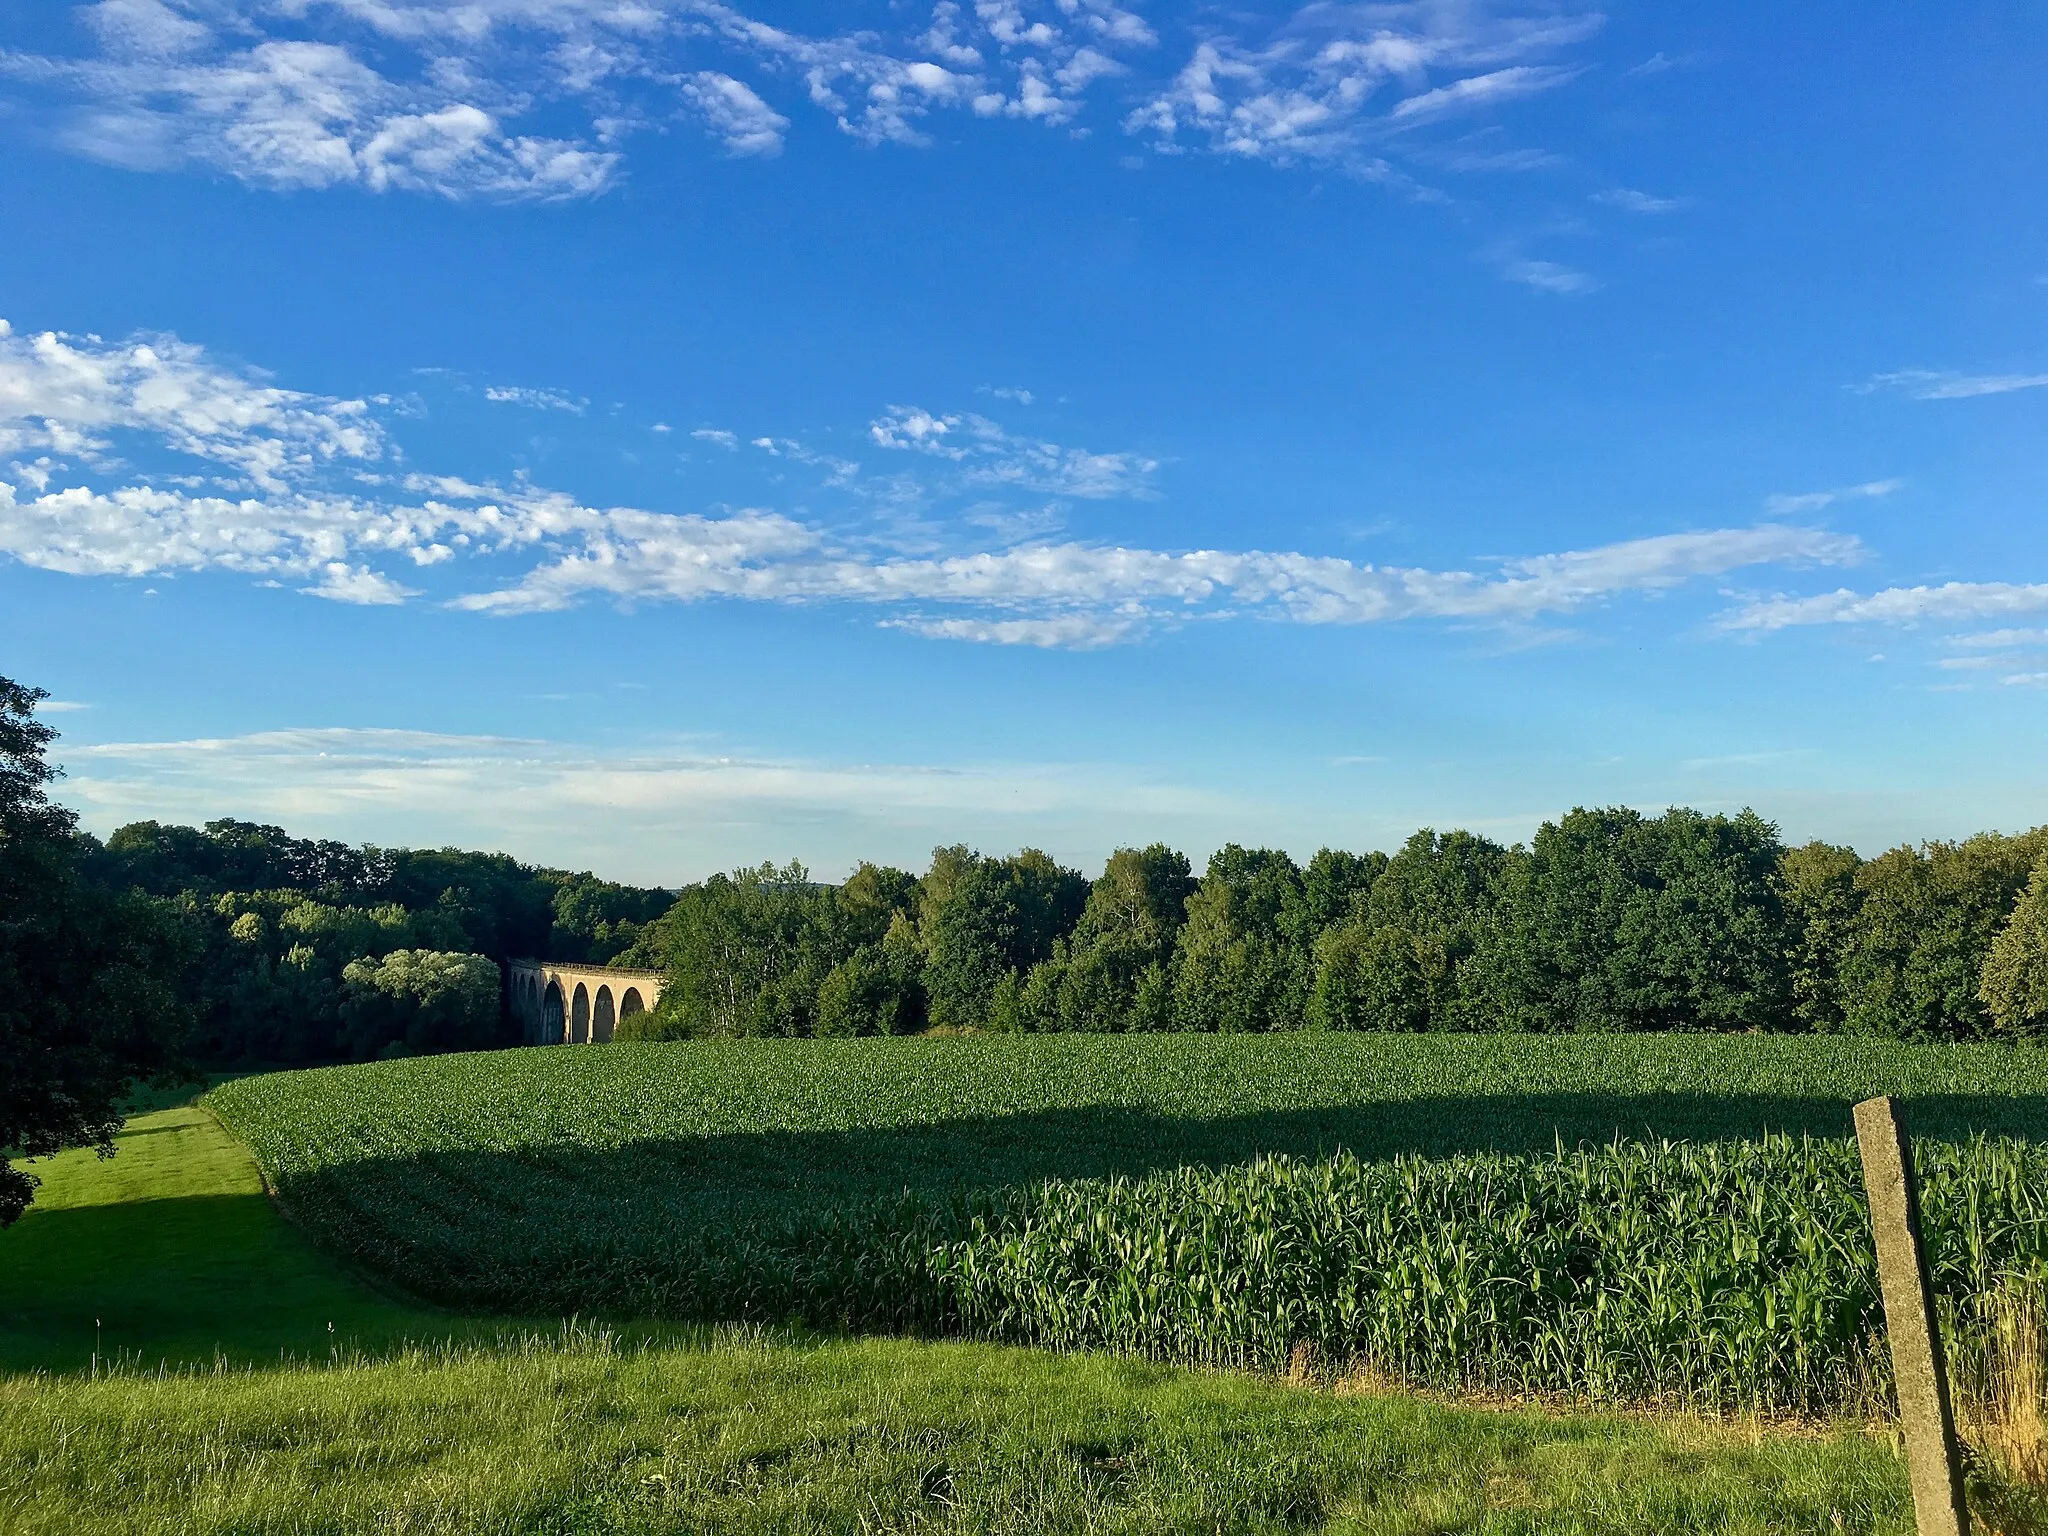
(798, 1168)
(464, 1226)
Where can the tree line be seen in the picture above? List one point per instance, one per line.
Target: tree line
(1606, 920)
(167, 946)
(304, 950)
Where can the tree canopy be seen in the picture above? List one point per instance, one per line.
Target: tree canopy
(88, 973)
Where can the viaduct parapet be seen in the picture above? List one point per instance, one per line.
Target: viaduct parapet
(577, 1004)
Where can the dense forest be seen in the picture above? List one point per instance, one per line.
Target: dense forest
(1606, 920)
(303, 950)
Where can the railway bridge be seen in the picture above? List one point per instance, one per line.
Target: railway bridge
(577, 1004)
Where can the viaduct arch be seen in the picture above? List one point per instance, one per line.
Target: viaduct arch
(577, 1004)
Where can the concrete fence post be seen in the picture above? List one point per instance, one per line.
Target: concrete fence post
(1918, 1365)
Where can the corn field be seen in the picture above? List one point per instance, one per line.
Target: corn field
(1729, 1273)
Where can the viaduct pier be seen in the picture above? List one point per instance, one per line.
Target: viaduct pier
(577, 1004)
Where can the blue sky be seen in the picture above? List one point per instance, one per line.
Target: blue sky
(658, 435)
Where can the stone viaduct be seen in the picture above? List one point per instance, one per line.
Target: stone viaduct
(577, 1004)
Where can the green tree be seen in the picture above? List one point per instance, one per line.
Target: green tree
(1403, 959)
(594, 921)
(1822, 900)
(870, 901)
(1240, 964)
(878, 989)
(1335, 887)
(413, 1001)
(986, 920)
(2014, 985)
(1111, 973)
(1618, 921)
(1384, 978)
(745, 954)
(1924, 931)
(88, 974)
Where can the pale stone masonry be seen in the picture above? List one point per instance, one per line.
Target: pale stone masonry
(577, 1004)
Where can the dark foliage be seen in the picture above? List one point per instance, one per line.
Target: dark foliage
(88, 972)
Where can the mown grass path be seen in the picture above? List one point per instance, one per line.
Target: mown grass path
(170, 1251)
(490, 1428)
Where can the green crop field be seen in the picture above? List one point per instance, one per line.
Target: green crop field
(405, 1420)
(1459, 1211)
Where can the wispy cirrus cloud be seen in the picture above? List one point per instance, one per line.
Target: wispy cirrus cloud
(1330, 82)
(1943, 384)
(1783, 505)
(1481, 90)
(1087, 595)
(1999, 639)
(1549, 277)
(662, 812)
(1950, 602)
(1629, 200)
(536, 399)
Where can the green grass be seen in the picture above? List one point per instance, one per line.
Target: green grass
(567, 1429)
(169, 1251)
(753, 1435)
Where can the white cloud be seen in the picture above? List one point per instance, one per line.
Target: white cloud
(429, 96)
(358, 585)
(1813, 501)
(1935, 384)
(59, 706)
(1631, 201)
(68, 393)
(538, 399)
(1549, 277)
(1894, 605)
(292, 114)
(1067, 632)
(2000, 639)
(717, 435)
(989, 455)
(735, 114)
(1070, 593)
(659, 813)
(338, 544)
(1082, 594)
(1483, 90)
(1328, 81)
(143, 530)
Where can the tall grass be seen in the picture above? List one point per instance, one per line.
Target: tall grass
(747, 1436)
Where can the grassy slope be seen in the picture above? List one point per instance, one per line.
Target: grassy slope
(580, 1433)
(171, 1249)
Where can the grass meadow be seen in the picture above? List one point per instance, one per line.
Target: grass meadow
(178, 1356)
(222, 1401)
